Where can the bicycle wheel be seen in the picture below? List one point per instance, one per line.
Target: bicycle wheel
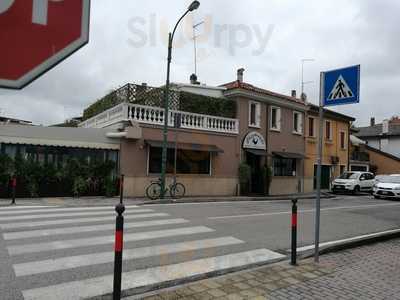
(177, 191)
(153, 191)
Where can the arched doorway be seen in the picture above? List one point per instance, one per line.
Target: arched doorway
(254, 147)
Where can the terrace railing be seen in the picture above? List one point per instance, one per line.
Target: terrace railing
(155, 116)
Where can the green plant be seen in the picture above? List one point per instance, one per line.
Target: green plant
(244, 178)
(148, 96)
(6, 169)
(267, 175)
(107, 102)
(207, 105)
(79, 187)
(110, 187)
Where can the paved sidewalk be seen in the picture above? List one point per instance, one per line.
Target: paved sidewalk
(367, 272)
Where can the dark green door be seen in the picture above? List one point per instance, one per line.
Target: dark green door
(256, 180)
(325, 177)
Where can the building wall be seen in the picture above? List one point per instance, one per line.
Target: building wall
(385, 164)
(330, 148)
(390, 145)
(286, 185)
(283, 141)
(243, 116)
(286, 141)
(222, 181)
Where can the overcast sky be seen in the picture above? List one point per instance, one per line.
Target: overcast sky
(268, 38)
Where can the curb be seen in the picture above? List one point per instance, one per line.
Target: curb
(136, 292)
(358, 242)
(250, 199)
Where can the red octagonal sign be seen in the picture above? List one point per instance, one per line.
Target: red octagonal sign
(36, 35)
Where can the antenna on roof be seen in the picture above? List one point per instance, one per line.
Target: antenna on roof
(195, 44)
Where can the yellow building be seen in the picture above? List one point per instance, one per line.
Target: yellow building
(335, 157)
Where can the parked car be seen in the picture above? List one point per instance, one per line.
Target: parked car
(379, 178)
(387, 187)
(354, 182)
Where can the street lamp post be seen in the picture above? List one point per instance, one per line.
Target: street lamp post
(193, 6)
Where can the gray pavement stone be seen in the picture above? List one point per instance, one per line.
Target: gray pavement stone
(368, 273)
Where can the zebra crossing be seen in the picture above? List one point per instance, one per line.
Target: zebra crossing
(67, 253)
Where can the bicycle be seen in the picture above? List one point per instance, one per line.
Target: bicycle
(176, 190)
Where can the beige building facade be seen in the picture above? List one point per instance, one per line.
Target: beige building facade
(336, 146)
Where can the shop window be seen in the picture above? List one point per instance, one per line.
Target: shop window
(188, 161)
(297, 122)
(275, 118)
(254, 114)
(284, 167)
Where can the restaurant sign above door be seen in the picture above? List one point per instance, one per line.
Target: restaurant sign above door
(254, 140)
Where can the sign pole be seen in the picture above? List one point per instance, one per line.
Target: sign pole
(337, 87)
(319, 171)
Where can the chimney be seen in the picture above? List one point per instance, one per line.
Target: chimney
(294, 94)
(240, 73)
(372, 122)
(385, 127)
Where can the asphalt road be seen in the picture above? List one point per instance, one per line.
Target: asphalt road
(267, 224)
(64, 253)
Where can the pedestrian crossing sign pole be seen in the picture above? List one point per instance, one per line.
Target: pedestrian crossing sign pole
(337, 87)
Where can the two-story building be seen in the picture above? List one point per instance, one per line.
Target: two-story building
(265, 131)
(277, 120)
(335, 155)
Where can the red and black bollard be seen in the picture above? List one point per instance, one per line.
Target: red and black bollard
(119, 243)
(13, 189)
(293, 260)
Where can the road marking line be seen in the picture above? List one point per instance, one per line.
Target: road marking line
(304, 211)
(96, 228)
(24, 207)
(151, 276)
(352, 239)
(77, 221)
(78, 214)
(46, 210)
(52, 265)
(103, 240)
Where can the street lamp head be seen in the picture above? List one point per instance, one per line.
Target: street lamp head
(195, 5)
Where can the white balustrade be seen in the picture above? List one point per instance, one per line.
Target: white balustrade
(155, 116)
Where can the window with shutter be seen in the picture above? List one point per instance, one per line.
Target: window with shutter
(254, 114)
(275, 118)
(297, 123)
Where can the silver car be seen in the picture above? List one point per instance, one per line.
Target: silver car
(387, 187)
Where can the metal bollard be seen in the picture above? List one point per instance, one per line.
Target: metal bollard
(14, 187)
(121, 189)
(119, 243)
(293, 260)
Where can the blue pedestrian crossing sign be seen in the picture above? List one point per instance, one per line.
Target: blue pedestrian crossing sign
(341, 86)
